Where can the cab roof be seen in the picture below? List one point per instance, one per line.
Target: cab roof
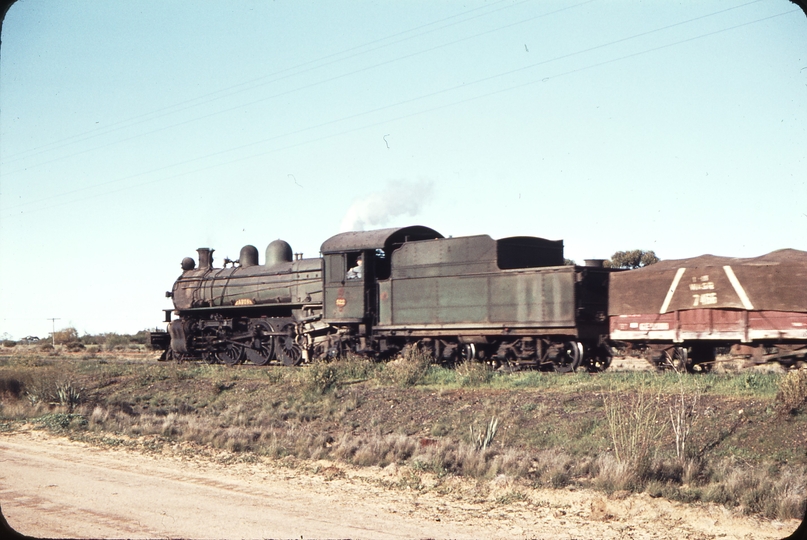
(386, 239)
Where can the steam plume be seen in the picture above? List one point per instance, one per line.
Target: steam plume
(400, 197)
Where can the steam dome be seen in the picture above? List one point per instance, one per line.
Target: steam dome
(277, 252)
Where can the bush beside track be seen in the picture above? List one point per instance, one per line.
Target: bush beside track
(735, 439)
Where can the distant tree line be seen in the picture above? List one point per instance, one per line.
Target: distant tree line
(71, 340)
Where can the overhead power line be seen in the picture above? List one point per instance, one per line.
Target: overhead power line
(275, 95)
(259, 81)
(367, 126)
(380, 64)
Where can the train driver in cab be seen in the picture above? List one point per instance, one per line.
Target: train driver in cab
(356, 271)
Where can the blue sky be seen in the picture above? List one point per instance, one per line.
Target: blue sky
(132, 133)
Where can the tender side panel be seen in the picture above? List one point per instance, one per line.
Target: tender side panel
(546, 299)
(445, 257)
(502, 300)
(419, 300)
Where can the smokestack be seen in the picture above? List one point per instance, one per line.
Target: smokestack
(205, 258)
(595, 263)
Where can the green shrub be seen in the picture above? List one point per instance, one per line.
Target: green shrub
(473, 374)
(68, 395)
(60, 421)
(321, 376)
(114, 341)
(408, 370)
(68, 335)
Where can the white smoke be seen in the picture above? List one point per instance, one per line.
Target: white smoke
(399, 197)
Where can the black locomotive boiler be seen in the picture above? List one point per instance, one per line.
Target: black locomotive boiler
(506, 302)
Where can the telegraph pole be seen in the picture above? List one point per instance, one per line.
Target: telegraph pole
(53, 333)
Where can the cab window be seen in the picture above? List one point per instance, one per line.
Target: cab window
(336, 268)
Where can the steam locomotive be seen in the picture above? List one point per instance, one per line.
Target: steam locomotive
(507, 302)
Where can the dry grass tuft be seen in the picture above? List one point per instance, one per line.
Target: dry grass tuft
(408, 370)
(792, 393)
(613, 474)
(635, 428)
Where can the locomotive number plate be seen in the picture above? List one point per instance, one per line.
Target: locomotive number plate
(340, 302)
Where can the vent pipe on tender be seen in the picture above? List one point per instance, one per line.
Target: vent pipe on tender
(205, 258)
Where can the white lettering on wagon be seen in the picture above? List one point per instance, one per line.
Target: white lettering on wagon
(705, 299)
(654, 326)
(701, 283)
(648, 326)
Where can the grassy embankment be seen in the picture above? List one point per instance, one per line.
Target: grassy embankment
(733, 439)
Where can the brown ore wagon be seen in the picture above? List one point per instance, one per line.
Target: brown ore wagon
(682, 312)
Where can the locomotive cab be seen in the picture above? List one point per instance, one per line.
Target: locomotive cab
(354, 262)
(346, 278)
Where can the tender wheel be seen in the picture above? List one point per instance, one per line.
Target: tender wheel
(429, 348)
(701, 358)
(568, 358)
(288, 351)
(699, 368)
(262, 348)
(601, 359)
(467, 352)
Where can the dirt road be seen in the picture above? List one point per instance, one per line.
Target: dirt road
(53, 487)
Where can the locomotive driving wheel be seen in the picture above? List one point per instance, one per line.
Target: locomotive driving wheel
(208, 351)
(263, 346)
(231, 354)
(288, 350)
